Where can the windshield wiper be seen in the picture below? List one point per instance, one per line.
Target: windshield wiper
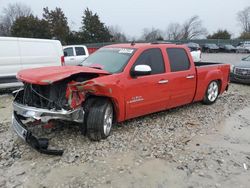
(94, 67)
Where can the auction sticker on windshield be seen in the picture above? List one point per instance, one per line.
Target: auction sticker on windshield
(126, 51)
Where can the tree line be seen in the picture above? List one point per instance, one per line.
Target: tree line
(18, 20)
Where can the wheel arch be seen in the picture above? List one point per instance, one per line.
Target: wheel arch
(214, 75)
(113, 101)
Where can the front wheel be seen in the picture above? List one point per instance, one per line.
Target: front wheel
(212, 93)
(100, 120)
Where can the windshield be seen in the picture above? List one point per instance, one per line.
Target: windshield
(212, 45)
(194, 45)
(112, 60)
(229, 46)
(247, 58)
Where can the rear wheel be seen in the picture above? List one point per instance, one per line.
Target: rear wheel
(100, 120)
(212, 93)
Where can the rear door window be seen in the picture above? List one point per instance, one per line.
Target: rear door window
(68, 52)
(153, 58)
(80, 51)
(178, 59)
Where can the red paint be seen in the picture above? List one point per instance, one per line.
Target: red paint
(92, 50)
(62, 61)
(48, 75)
(74, 95)
(121, 88)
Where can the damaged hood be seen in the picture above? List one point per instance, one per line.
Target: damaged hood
(49, 75)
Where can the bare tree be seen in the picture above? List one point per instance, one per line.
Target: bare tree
(174, 31)
(193, 28)
(117, 34)
(10, 14)
(244, 19)
(152, 34)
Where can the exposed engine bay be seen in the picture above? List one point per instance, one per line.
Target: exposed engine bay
(52, 96)
(41, 104)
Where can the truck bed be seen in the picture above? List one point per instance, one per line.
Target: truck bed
(199, 64)
(207, 71)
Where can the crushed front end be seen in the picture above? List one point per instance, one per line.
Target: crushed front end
(43, 104)
(51, 95)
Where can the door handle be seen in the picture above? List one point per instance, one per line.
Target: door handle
(163, 82)
(190, 77)
(72, 58)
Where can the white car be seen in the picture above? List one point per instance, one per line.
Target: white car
(243, 48)
(195, 51)
(75, 54)
(22, 53)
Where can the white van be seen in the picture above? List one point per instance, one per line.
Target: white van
(23, 53)
(75, 54)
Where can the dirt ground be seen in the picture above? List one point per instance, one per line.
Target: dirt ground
(191, 146)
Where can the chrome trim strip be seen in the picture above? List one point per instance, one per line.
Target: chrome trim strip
(21, 132)
(76, 115)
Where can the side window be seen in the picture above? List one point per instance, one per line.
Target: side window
(178, 59)
(80, 51)
(153, 58)
(68, 52)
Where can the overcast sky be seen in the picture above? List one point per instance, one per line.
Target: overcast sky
(134, 15)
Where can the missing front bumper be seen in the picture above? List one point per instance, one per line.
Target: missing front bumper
(40, 144)
(76, 115)
(44, 115)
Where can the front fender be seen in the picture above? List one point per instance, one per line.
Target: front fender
(78, 91)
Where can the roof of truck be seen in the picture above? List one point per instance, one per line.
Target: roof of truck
(141, 45)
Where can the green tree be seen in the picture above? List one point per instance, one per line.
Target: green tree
(30, 27)
(220, 34)
(74, 38)
(58, 23)
(93, 30)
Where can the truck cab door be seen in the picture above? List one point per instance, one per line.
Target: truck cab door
(149, 93)
(69, 56)
(81, 55)
(182, 78)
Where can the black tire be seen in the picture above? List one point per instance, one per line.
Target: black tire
(211, 95)
(86, 107)
(99, 119)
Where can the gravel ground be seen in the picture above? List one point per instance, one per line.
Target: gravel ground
(191, 146)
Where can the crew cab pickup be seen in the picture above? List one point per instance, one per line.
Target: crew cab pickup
(116, 83)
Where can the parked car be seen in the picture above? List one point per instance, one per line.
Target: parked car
(116, 83)
(195, 51)
(240, 72)
(210, 48)
(22, 53)
(227, 48)
(243, 48)
(243, 42)
(75, 54)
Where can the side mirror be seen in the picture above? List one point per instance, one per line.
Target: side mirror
(141, 70)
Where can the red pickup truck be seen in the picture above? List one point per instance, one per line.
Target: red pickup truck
(116, 83)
